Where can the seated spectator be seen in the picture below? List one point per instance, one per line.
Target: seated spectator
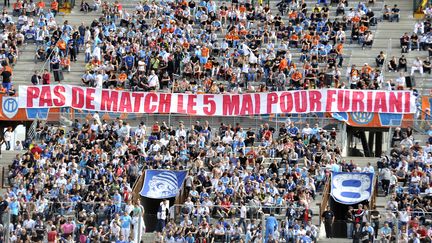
(395, 14)
(402, 64)
(405, 42)
(392, 65)
(46, 77)
(400, 81)
(6, 73)
(414, 42)
(417, 66)
(386, 12)
(380, 59)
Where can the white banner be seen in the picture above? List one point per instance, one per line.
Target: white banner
(301, 101)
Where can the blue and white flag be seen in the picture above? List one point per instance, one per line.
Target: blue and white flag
(159, 184)
(350, 187)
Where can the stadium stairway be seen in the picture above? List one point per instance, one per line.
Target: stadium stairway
(6, 159)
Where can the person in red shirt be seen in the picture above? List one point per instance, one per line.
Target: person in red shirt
(226, 204)
(156, 130)
(54, 7)
(52, 235)
(46, 77)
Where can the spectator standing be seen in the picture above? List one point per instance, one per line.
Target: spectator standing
(6, 74)
(46, 77)
(427, 66)
(385, 175)
(357, 234)
(14, 207)
(52, 235)
(56, 68)
(271, 226)
(8, 135)
(126, 222)
(36, 78)
(350, 222)
(328, 217)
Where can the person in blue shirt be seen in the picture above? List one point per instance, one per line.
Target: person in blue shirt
(14, 210)
(129, 61)
(117, 199)
(271, 226)
(306, 238)
(369, 230)
(385, 232)
(190, 238)
(122, 239)
(126, 221)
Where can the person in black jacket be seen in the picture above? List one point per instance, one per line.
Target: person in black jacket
(357, 234)
(328, 217)
(36, 78)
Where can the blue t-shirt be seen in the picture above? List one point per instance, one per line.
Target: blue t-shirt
(125, 221)
(14, 207)
(129, 60)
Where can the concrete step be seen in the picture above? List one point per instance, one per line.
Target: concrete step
(7, 156)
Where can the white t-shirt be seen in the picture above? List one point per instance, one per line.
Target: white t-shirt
(141, 66)
(99, 80)
(8, 136)
(243, 212)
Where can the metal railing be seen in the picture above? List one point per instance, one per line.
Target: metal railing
(325, 198)
(31, 133)
(5, 183)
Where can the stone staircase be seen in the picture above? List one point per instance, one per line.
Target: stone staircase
(5, 160)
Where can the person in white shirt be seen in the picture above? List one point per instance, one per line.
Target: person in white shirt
(52, 24)
(61, 181)
(153, 81)
(428, 190)
(181, 132)
(29, 223)
(403, 216)
(8, 135)
(140, 131)
(417, 66)
(419, 28)
(99, 80)
(141, 66)
(400, 81)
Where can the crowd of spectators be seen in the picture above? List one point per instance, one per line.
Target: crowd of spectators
(75, 185)
(404, 178)
(212, 47)
(33, 22)
(239, 175)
